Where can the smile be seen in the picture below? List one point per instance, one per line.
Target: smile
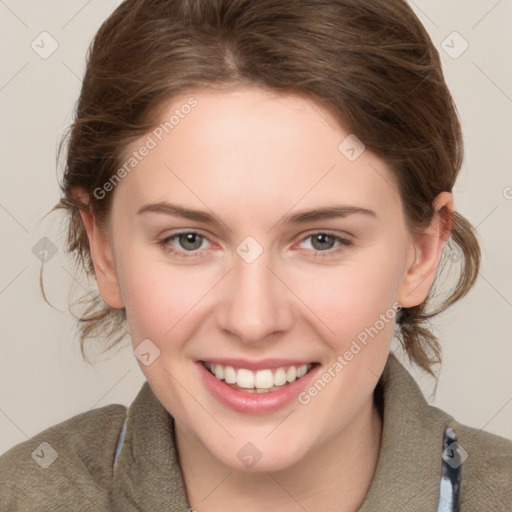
(262, 381)
(261, 387)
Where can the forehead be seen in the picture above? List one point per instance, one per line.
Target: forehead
(253, 150)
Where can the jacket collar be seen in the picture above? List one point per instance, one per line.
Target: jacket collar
(408, 471)
(147, 474)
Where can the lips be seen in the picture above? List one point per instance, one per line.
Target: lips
(254, 391)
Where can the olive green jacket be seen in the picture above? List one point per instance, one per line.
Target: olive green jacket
(96, 461)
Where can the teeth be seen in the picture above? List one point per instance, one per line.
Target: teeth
(219, 371)
(280, 377)
(229, 375)
(261, 381)
(291, 374)
(301, 370)
(244, 378)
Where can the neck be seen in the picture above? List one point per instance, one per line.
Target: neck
(335, 476)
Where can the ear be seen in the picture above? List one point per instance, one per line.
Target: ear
(101, 255)
(425, 251)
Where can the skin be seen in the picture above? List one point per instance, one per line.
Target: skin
(251, 157)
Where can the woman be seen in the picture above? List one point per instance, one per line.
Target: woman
(217, 146)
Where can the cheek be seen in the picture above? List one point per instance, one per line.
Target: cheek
(159, 299)
(350, 299)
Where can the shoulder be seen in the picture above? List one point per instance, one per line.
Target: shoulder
(485, 466)
(486, 459)
(486, 469)
(66, 464)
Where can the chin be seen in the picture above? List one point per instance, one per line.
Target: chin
(259, 454)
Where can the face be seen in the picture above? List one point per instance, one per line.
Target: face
(214, 265)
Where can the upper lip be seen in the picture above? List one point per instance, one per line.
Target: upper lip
(257, 365)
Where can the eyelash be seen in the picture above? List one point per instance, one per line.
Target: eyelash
(165, 244)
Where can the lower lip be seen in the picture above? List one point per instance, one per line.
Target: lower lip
(254, 403)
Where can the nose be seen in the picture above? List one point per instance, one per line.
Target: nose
(257, 303)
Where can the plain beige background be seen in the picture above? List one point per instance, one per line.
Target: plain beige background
(43, 379)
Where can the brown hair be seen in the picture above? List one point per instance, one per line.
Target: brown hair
(370, 63)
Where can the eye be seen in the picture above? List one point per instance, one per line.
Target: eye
(189, 241)
(323, 243)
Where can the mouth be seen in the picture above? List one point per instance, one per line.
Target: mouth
(266, 380)
(263, 388)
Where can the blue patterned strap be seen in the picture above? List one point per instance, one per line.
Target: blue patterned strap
(450, 473)
(120, 441)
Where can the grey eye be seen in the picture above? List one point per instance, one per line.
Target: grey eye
(190, 241)
(322, 241)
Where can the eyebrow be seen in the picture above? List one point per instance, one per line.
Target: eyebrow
(300, 217)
